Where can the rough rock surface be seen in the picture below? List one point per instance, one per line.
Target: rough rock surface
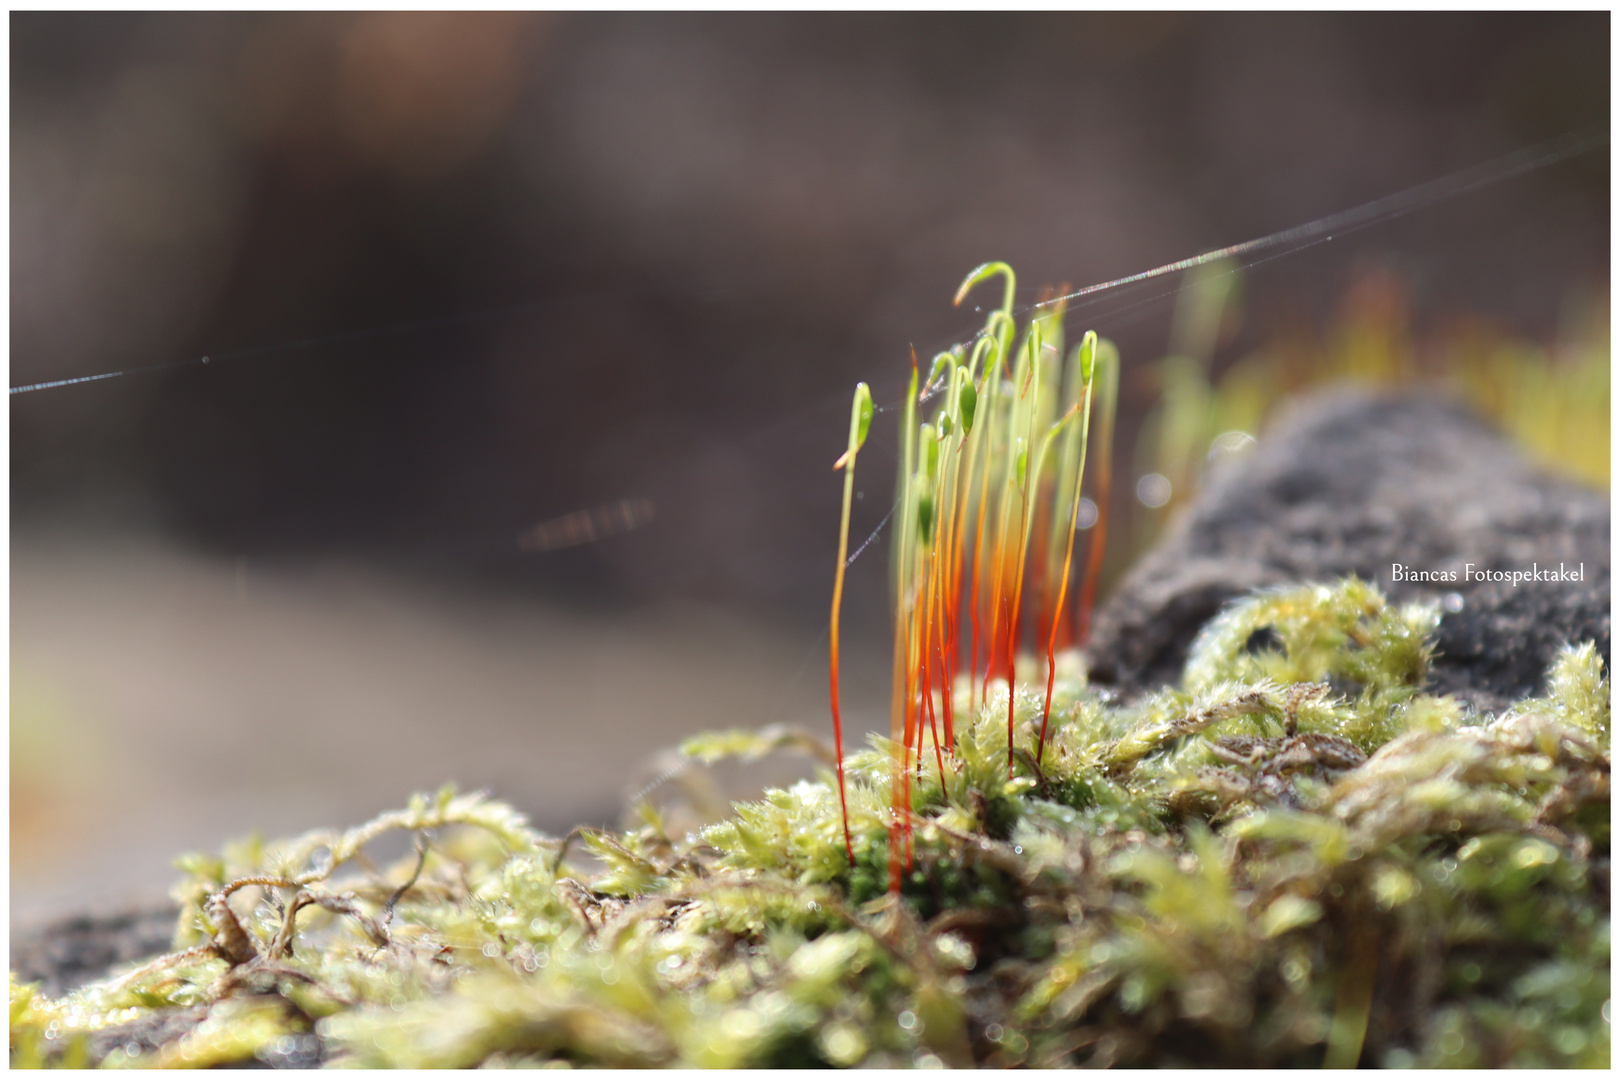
(82, 948)
(1354, 482)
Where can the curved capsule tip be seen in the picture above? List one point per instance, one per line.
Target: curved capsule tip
(1088, 355)
(860, 422)
(980, 273)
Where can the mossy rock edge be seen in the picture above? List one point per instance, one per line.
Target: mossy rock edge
(1297, 857)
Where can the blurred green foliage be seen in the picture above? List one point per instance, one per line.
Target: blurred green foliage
(1552, 399)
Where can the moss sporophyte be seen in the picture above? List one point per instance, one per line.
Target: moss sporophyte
(1295, 857)
(975, 488)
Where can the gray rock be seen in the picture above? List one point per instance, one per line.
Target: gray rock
(68, 953)
(1360, 483)
(82, 948)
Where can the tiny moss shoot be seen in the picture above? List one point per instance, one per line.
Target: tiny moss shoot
(1108, 377)
(860, 420)
(1295, 857)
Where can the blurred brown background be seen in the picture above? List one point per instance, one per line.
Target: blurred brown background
(459, 275)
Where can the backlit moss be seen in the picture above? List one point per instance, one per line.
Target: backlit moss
(1295, 857)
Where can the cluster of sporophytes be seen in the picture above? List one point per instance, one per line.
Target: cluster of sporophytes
(1295, 857)
(979, 517)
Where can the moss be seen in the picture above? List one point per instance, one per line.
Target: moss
(1295, 857)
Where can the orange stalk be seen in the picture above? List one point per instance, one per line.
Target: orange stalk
(1039, 572)
(998, 566)
(1087, 372)
(973, 603)
(859, 421)
(957, 567)
(900, 800)
(947, 678)
(927, 692)
(1032, 472)
(1105, 476)
(905, 597)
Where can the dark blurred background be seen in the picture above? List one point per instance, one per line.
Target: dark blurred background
(460, 275)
